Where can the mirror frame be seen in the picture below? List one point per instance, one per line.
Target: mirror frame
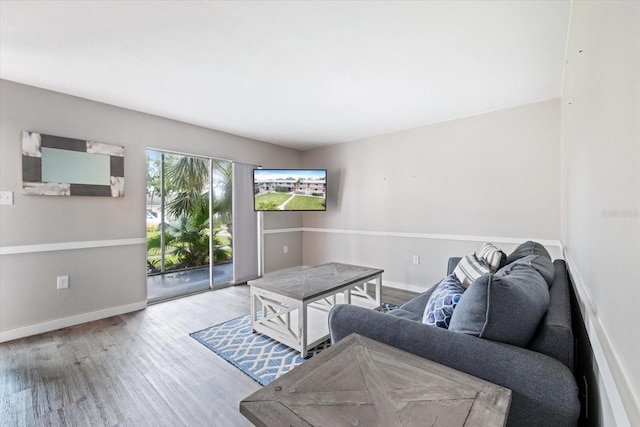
(32, 144)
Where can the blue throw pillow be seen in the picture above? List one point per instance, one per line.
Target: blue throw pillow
(505, 307)
(443, 301)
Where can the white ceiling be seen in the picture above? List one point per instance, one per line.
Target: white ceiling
(296, 73)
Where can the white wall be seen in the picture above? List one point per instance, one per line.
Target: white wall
(282, 229)
(105, 280)
(439, 191)
(601, 192)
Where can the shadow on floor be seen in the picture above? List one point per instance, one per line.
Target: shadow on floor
(173, 284)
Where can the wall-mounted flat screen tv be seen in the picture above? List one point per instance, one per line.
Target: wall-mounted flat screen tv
(290, 189)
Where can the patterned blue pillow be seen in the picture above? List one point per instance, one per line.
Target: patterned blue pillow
(442, 302)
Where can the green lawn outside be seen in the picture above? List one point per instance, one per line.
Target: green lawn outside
(272, 198)
(224, 240)
(306, 203)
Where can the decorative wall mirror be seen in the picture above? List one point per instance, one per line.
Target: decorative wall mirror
(58, 166)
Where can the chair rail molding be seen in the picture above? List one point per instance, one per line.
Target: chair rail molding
(431, 236)
(64, 246)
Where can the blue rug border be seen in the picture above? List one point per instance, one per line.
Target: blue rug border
(231, 361)
(262, 382)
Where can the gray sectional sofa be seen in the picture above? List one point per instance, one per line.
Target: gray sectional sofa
(534, 360)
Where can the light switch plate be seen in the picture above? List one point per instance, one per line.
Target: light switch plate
(62, 282)
(6, 197)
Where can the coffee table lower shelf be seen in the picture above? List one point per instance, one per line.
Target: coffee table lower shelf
(302, 325)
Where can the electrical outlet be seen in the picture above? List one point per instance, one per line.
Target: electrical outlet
(285, 249)
(63, 282)
(416, 259)
(6, 197)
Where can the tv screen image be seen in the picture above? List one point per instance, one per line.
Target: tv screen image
(290, 189)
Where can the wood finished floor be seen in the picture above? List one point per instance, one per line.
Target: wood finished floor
(137, 369)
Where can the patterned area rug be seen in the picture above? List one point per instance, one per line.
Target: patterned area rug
(258, 356)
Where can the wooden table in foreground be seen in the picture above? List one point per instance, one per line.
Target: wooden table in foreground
(363, 382)
(295, 303)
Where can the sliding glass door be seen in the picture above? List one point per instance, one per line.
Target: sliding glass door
(189, 223)
(222, 222)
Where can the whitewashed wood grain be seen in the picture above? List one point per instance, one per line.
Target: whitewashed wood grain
(46, 188)
(102, 148)
(31, 143)
(117, 186)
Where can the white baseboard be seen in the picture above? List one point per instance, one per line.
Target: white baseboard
(13, 334)
(404, 286)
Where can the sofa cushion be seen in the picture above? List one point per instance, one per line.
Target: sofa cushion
(442, 302)
(505, 308)
(417, 304)
(469, 269)
(541, 263)
(405, 314)
(528, 248)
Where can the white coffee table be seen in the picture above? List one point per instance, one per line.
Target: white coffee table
(295, 303)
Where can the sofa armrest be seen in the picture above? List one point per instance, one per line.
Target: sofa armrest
(555, 336)
(544, 391)
(452, 264)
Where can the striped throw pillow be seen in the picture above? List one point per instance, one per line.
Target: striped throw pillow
(491, 255)
(469, 269)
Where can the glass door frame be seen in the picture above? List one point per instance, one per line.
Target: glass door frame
(212, 263)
